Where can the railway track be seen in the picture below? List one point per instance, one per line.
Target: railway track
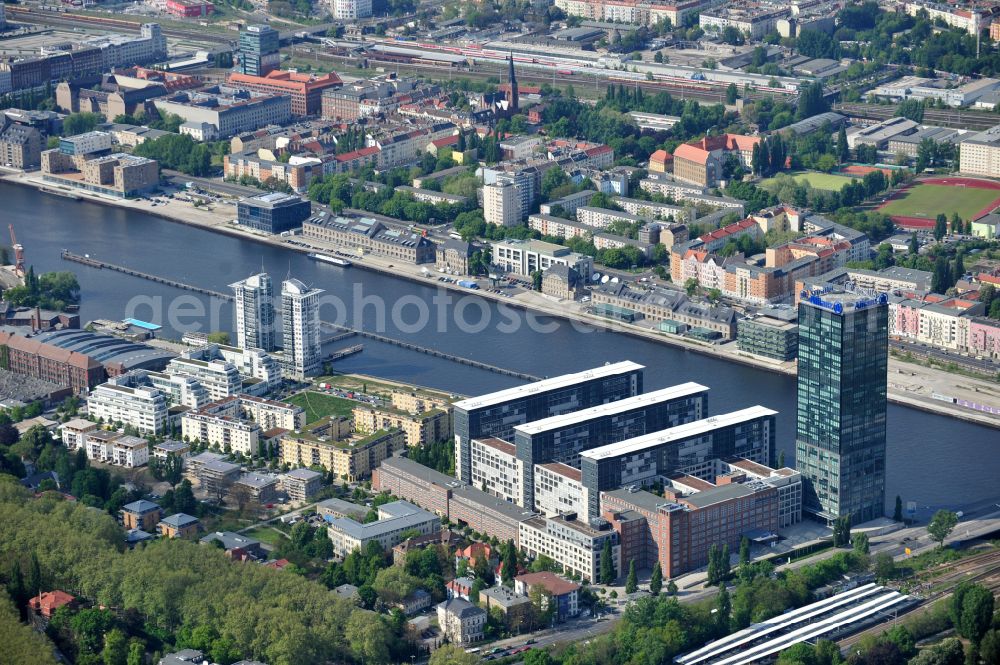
(976, 120)
(69, 20)
(963, 571)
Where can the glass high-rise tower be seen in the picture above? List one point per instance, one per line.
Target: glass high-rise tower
(258, 51)
(840, 438)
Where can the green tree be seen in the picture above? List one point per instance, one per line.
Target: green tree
(723, 608)
(368, 637)
(656, 580)
(842, 531)
(691, 286)
(843, 149)
(607, 564)
(971, 610)
(115, 648)
(861, 544)
(941, 525)
(219, 337)
(509, 568)
(672, 588)
(989, 648)
(452, 654)
(744, 551)
(136, 653)
(884, 567)
(732, 94)
(536, 280)
(631, 582)
(940, 226)
(897, 512)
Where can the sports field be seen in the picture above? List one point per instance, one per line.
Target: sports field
(818, 180)
(920, 204)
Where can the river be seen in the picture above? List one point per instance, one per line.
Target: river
(933, 460)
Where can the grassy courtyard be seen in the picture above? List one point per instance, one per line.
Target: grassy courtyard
(319, 405)
(927, 201)
(818, 180)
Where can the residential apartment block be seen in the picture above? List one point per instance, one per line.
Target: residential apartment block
(420, 428)
(142, 408)
(351, 460)
(980, 153)
(117, 449)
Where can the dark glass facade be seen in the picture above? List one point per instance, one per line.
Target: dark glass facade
(498, 419)
(751, 437)
(840, 439)
(566, 443)
(258, 51)
(273, 213)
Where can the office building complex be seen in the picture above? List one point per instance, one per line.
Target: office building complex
(258, 52)
(840, 442)
(748, 433)
(219, 378)
(574, 544)
(221, 111)
(394, 520)
(306, 90)
(450, 498)
(300, 329)
(496, 469)
(273, 213)
(679, 528)
(563, 437)
(254, 312)
(366, 234)
(523, 257)
(559, 490)
(496, 414)
(351, 10)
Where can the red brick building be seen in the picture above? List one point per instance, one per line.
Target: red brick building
(678, 531)
(306, 90)
(23, 355)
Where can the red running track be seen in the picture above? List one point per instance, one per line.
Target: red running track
(925, 223)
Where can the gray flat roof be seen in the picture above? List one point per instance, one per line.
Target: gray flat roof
(425, 473)
(679, 433)
(717, 494)
(611, 408)
(403, 515)
(547, 385)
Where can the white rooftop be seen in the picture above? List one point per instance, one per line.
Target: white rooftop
(679, 433)
(611, 408)
(546, 385)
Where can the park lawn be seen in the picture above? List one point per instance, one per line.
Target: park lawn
(318, 405)
(266, 534)
(928, 201)
(826, 181)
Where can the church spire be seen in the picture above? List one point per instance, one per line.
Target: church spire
(512, 82)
